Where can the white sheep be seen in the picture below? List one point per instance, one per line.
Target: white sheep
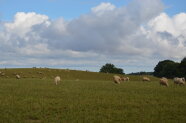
(179, 81)
(146, 79)
(164, 81)
(18, 76)
(117, 79)
(127, 78)
(57, 79)
(124, 78)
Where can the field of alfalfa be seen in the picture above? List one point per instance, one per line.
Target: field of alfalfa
(87, 97)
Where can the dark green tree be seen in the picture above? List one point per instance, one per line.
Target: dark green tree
(166, 68)
(182, 68)
(170, 70)
(159, 68)
(110, 68)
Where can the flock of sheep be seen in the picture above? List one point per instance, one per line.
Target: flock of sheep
(163, 81)
(117, 79)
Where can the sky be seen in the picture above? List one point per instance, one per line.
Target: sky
(86, 34)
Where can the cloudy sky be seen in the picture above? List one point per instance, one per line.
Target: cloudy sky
(85, 34)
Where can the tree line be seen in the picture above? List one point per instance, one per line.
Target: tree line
(165, 68)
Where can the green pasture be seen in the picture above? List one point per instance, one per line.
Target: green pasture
(87, 97)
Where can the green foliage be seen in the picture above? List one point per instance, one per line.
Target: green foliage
(110, 68)
(170, 69)
(182, 67)
(159, 69)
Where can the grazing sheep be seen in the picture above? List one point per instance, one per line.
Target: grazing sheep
(124, 78)
(117, 79)
(146, 79)
(18, 76)
(57, 79)
(2, 74)
(127, 78)
(164, 81)
(179, 81)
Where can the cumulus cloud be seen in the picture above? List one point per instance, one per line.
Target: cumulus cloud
(168, 35)
(138, 33)
(23, 22)
(102, 8)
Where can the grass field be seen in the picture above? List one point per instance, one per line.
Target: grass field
(93, 98)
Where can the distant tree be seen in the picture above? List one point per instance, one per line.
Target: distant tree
(159, 67)
(141, 73)
(182, 67)
(118, 71)
(170, 70)
(110, 68)
(166, 68)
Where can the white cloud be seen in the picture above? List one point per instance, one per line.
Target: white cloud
(102, 8)
(23, 22)
(168, 35)
(130, 35)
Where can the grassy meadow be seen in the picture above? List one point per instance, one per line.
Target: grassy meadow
(87, 97)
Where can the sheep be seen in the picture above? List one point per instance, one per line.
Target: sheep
(146, 79)
(164, 81)
(124, 78)
(183, 79)
(117, 79)
(18, 76)
(57, 79)
(2, 74)
(179, 81)
(127, 78)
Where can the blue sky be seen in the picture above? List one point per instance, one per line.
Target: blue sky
(85, 34)
(53, 8)
(174, 7)
(70, 9)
